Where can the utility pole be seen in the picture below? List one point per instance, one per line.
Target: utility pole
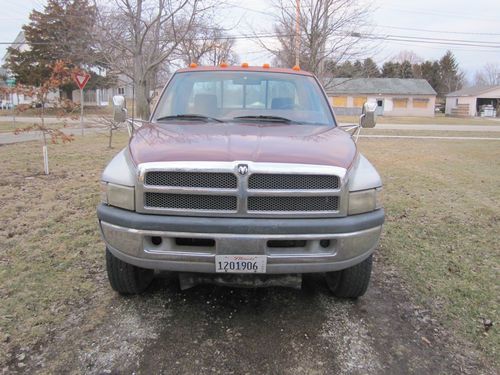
(323, 38)
(297, 34)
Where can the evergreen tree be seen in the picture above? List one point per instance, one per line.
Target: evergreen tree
(391, 70)
(63, 31)
(406, 70)
(429, 71)
(451, 79)
(370, 69)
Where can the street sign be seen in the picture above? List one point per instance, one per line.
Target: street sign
(11, 82)
(81, 79)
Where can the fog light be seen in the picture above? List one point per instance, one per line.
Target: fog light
(156, 240)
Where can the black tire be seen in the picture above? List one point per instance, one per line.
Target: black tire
(351, 282)
(126, 278)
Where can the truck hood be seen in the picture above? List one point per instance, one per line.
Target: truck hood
(257, 142)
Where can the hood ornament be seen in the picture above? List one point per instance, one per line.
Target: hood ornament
(242, 169)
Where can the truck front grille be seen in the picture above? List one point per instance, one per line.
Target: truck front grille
(263, 181)
(227, 189)
(190, 201)
(211, 180)
(293, 204)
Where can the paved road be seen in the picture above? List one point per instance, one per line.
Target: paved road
(437, 127)
(7, 138)
(48, 120)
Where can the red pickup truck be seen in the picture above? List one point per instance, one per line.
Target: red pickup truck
(242, 176)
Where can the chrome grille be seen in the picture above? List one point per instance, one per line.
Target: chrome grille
(206, 188)
(262, 181)
(190, 201)
(304, 204)
(210, 180)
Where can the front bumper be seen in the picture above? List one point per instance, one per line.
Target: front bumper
(189, 244)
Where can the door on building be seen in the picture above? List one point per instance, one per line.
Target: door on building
(380, 107)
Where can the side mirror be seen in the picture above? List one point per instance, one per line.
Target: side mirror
(368, 117)
(119, 108)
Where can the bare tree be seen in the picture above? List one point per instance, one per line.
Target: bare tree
(207, 45)
(489, 75)
(409, 56)
(139, 37)
(330, 32)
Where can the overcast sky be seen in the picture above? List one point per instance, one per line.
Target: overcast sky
(452, 19)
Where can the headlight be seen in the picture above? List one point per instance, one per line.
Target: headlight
(365, 201)
(118, 195)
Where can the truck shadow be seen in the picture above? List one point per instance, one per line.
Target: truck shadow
(262, 330)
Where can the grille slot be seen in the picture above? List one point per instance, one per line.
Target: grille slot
(292, 182)
(213, 180)
(190, 201)
(293, 203)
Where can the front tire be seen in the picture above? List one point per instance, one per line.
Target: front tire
(126, 278)
(351, 282)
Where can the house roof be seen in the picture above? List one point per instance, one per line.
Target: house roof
(473, 91)
(393, 86)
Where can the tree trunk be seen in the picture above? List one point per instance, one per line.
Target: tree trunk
(142, 100)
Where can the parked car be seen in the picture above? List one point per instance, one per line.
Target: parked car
(241, 176)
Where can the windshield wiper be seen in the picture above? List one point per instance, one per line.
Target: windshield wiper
(266, 118)
(188, 116)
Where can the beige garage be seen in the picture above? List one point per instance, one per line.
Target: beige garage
(394, 96)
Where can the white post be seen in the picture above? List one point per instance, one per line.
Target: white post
(81, 109)
(13, 110)
(45, 160)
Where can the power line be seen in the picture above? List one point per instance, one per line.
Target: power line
(437, 31)
(386, 37)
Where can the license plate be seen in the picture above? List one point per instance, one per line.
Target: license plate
(240, 263)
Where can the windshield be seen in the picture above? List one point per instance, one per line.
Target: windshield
(244, 96)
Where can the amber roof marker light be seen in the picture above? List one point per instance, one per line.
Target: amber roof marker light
(223, 65)
(244, 65)
(193, 65)
(266, 66)
(296, 68)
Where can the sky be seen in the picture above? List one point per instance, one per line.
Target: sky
(450, 19)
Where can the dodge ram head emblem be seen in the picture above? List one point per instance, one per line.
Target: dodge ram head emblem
(243, 169)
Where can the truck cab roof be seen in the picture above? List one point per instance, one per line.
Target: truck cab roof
(241, 68)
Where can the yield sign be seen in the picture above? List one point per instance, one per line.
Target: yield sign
(81, 79)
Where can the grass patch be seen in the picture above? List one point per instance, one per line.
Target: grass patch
(51, 255)
(439, 119)
(443, 227)
(442, 232)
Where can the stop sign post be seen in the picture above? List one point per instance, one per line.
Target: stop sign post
(81, 80)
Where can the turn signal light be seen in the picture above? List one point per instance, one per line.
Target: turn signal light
(193, 65)
(223, 65)
(244, 65)
(296, 68)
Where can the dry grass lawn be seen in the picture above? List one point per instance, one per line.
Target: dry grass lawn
(442, 233)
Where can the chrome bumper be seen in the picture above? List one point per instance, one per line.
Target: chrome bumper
(140, 247)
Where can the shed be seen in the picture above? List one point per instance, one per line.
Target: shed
(394, 96)
(474, 101)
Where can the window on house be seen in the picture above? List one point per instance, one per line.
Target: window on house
(121, 90)
(339, 101)
(400, 102)
(420, 102)
(358, 101)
